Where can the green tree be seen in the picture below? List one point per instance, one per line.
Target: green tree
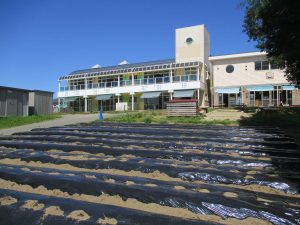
(275, 26)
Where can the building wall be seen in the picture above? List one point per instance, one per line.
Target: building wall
(244, 73)
(13, 102)
(296, 97)
(198, 50)
(2, 102)
(41, 103)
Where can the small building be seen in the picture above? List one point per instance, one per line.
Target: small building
(40, 102)
(24, 102)
(13, 101)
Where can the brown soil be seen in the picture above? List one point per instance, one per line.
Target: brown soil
(129, 183)
(179, 187)
(110, 180)
(151, 185)
(117, 201)
(53, 210)
(33, 204)
(107, 221)
(79, 215)
(203, 190)
(8, 200)
(230, 194)
(156, 174)
(90, 176)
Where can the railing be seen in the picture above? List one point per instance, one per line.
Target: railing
(185, 78)
(136, 82)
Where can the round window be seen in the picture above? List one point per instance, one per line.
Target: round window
(189, 40)
(229, 68)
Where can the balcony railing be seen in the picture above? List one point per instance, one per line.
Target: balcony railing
(136, 82)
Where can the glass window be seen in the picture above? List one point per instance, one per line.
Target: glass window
(265, 65)
(257, 65)
(261, 65)
(229, 68)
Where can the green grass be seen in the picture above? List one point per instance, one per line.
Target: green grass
(159, 116)
(7, 122)
(284, 117)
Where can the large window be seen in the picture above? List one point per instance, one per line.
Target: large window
(190, 71)
(261, 65)
(265, 65)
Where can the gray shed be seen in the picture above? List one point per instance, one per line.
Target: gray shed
(40, 102)
(13, 101)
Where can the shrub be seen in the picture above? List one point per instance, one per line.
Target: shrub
(148, 120)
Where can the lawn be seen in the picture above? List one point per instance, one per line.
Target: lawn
(7, 122)
(159, 116)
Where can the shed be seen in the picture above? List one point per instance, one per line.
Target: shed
(40, 102)
(182, 107)
(13, 101)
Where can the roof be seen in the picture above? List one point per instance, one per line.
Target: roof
(127, 68)
(238, 55)
(13, 88)
(24, 90)
(51, 92)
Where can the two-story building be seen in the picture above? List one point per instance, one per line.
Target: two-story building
(250, 79)
(227, 80)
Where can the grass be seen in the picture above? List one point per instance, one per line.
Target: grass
(7, 122)
(284, 117)
(159, 116)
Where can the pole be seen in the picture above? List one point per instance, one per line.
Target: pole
(85, 105)
(132, 102)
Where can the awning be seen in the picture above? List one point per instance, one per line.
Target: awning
(151, 94)
(228, 90)
(183, 94)
(69, 99)
(260, 88)
(103, 97)
(288, 87)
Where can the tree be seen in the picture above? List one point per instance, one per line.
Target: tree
(275, 26)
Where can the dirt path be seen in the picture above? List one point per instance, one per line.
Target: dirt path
(230, 114)
(64, 120)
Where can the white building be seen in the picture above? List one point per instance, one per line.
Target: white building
(227, 80)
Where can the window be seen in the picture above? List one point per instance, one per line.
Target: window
(262, 65)
(190, 71)
(229, 68)
(189, 40)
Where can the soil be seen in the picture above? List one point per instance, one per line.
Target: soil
(117, 201)
(79, 215)
(8, 200)
(203, 180)
(33, 204)
(53, 210)
(107, 221)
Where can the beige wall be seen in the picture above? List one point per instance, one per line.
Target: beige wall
(296, 97)
(198, 50)
(244, 73)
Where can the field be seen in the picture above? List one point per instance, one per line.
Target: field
(7, 122)
(119, 173)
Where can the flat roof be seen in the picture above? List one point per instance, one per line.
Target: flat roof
(237, 55)
(25, 90)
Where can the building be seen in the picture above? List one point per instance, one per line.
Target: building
(40, 102)
(250, 79)
(23, 102)
(227, 80)
(13, 101)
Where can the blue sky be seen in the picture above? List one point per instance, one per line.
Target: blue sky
(41, 40)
